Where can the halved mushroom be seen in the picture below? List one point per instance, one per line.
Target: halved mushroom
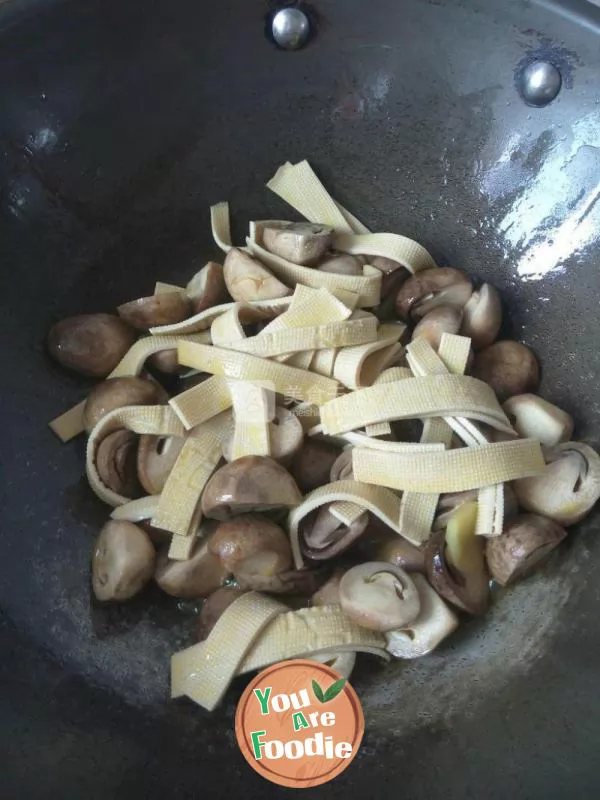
(120, 392)
(91, 344)
(156, 457)
(391, 283)
(248, 280)
(448, 503)
(341, 264)
(207, 287)
(303, 243)
(508, 367)
(254, 549)
(386, 265)
(533, 417)
(329, 593)
(482, 316)
(521, 547)
(123, 561)
(157, 309)
(380, 543)
(379, 596)
(312, 465)
(251, 483)
(216, 604)
(116, 463)
(341, 469)
(166, 361)
(440, 320)
(435, 622)
(431, 288)
(199, 576)
(568, 487)
(455, 562)
(286, 437)
(302, 583)
(324, 536)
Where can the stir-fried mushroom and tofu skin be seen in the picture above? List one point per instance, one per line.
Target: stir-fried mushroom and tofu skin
(346, 456)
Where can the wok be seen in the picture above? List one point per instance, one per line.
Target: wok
(121, 122)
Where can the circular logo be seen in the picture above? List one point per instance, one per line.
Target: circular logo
(299, 723)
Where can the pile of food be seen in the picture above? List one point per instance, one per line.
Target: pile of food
(349, 457)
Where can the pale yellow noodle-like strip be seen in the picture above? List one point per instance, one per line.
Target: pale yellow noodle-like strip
(220, 226)
(431, 396)
(357, 367)
(202, 402)
(204, 671)
(137, 510)
(166, 288)
(323, 361)
(203, 320)
(298, 185)
(286, 380)
(418, 509)
(300, 360)
(387, 376)
(252, 410)
(451, 471)
(346, 512)
(398, 248)
(156, 420)
(367, 286)
(195, 464)
(70, 424)
(381, 502)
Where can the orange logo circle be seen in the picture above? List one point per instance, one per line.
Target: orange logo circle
(299, 723)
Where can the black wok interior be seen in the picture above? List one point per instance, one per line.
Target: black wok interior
(120, 123)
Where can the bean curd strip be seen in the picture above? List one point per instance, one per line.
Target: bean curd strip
(137, 510)
(220, 226)
(203, 320)
(202, 402)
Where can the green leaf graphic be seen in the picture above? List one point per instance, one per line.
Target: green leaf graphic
(318, 692)
(334, 689)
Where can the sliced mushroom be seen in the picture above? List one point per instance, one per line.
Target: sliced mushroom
(251, 483)
(216, 604)
(303, 243)
(430, 288)
(341, 264)
(123, 561)
(248, 280)
(166, 361)
(116, 463)
(533, 417)
(386, 265)
(156, 457)
(286, 437)
(324, 536)
(391, 283)
(482, 316)
(508, 367)
(568, 487)
(448, 503)
(523, 544)
(434, 624)
(91, 344)
(300, 582)
(341, 469)
(120, 392)
(254, 549)
(380, 543)
(207, 288)
(444, 319)
(157, 309)
(329, 593)
(455, 562)
(199, 576)
(379, 596)
(312, 465)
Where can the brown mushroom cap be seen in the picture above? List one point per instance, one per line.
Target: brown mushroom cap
(251, 483)
(212, 608)
(431, 288)
(199, 576)
(381, 543)
(123, 561)
(312, 465)
(508, 367)
(524, 543)
(303, 243)
(329, 592)
(386, 265)
(120, 392)
(157, 309)
(207, 288)
(91, 344)
(166, 361)
(248, 280)
(379, 596)
(482, 317)
(341, 264)
(156, 457)
(440, 320)
(116, 458)
(391, 283)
